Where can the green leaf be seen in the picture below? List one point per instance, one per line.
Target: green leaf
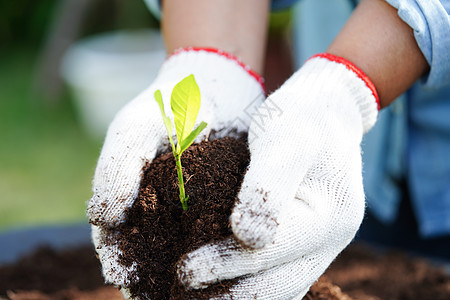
(185, 104)
(166, 119)
(191, 137)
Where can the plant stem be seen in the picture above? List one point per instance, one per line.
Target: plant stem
(183, 198)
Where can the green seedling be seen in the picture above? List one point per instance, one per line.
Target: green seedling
(185, 104)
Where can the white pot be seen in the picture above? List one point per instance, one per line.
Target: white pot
(106, 71)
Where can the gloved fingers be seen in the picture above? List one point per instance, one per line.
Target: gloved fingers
(279, 162)
(109, 254)
(323, 164)
(256, 214)
(301, 231)
(321, 218)
(338, 198)
(133, 140)
(288, 281)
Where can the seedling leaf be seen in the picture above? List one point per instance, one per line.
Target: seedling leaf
(185, 104)
(166, 119)
(191, 137)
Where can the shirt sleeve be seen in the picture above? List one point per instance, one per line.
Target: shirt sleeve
(431, 24)
(154, 6)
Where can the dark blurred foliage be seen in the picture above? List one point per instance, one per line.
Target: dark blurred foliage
(26, 22)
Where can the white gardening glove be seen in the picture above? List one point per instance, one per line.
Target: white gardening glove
(302, 198)
(230, 93)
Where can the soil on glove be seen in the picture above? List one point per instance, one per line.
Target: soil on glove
(158, 232)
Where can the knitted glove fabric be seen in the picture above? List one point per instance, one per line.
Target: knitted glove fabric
(230, 93)
(302, 198)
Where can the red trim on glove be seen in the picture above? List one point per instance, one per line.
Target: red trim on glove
(355, 70)
(227, 55)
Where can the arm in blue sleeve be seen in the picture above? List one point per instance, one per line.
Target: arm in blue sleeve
(431, 24)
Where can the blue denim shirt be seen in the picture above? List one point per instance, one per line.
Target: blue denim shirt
(411, 140)
(431, 24)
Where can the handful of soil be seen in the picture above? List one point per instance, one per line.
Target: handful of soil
(158, 232)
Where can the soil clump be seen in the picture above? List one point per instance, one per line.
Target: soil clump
(158, 232)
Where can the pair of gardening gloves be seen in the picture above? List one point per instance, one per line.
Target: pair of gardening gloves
(301, 200)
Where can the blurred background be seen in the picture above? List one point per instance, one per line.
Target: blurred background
(66, 67)
(53, 56)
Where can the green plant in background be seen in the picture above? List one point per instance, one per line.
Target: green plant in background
(185, 104)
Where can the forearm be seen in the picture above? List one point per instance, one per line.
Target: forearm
(237, 27)
(378, 42)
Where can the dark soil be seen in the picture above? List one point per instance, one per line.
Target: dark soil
(323, 289)
(362, 274)
(101, 293)
(36, 271)
(57, 275)
(158, 232)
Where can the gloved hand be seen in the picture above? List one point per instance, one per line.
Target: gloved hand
(230, 93)
(302, 198)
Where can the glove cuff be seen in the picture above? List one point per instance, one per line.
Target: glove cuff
(217, 52)
(210, 62)
(234, 89)
(365, 93)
